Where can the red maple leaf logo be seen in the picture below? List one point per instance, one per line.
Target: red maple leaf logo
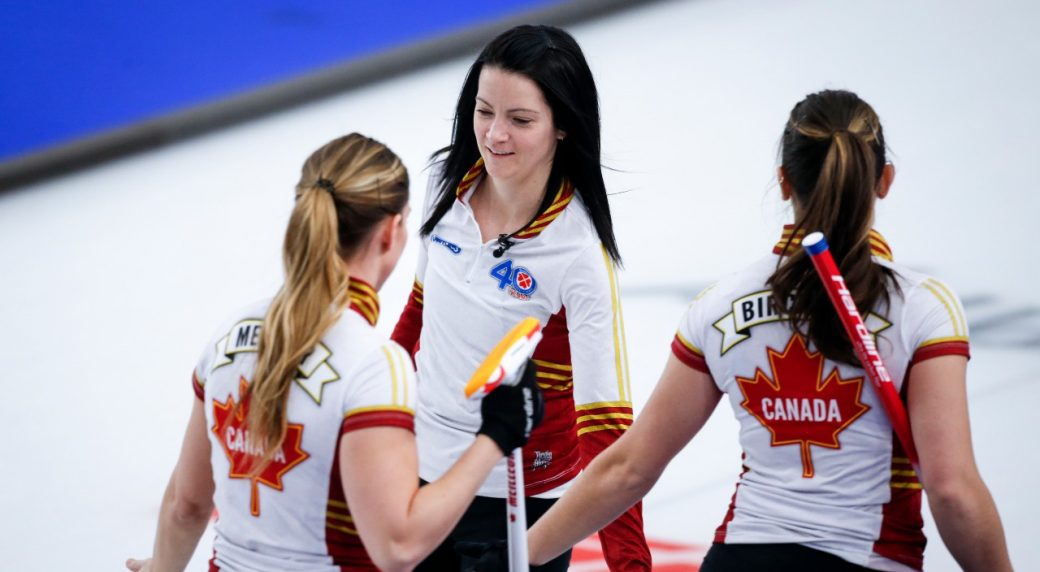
(798, 405)
(229, 427)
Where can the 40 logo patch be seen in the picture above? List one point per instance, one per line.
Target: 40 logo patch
(516, 280)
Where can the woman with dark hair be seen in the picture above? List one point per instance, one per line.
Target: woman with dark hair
(301, 431)
(825, 484)
(517, 224)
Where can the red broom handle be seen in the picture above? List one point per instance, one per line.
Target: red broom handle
(862, 341)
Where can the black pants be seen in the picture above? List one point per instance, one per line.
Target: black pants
(774, 558)
(485, 521)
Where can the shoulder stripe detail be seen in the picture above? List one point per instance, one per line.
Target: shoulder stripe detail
(393, 375)
(620, 357)
(403, 365)
(940, 291)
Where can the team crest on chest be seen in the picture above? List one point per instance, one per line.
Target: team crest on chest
(229, 427)
(515, 280)
(798, 405)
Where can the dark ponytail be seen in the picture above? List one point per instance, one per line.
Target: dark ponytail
(833, 156)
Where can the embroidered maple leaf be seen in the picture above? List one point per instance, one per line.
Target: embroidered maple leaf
(799, 406)
(229, 427)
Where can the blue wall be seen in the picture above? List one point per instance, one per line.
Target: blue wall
(72, 69)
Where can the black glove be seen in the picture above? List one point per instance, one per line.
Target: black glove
(510, 413)
(484, 556)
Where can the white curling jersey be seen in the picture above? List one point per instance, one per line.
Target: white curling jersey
(466, 299)
(293, 516)
(821, 464)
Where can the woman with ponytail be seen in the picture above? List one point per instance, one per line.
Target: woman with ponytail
(301, 434)
(825, 484)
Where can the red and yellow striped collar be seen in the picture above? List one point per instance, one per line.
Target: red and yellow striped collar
(364, 300)
(878, 246)
(563, 198)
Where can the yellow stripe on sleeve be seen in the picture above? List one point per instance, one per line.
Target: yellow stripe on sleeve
(584, 418)
(955, 318)
(686, 343)
(953, 304)
(552, 365)
(603, 405)
(404, 374)
(375, 408)
(393, 375)
(614, 313)
(594, 428)
(934, 341)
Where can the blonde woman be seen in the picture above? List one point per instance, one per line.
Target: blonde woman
(301, 435)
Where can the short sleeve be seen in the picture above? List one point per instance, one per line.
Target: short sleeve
(688, 343)
(934, 322)
(596, 330)
(382, 391)
(202, 370)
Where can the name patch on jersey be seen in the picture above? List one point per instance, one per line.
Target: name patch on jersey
(454, 248)
(798, 404)
(243, 337)
(516, 280)
(759, 308)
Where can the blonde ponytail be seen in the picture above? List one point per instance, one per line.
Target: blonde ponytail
(345, 189)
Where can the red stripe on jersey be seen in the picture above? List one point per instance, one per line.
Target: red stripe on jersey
(689, 357)
(951, 348)
(720, 532)
(409, 325)
(551, 456)
(382, 418)
(624, 546)
(901, 537)
(196, 385)
(341, 539)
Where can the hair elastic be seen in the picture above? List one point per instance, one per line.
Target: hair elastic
(326, 184)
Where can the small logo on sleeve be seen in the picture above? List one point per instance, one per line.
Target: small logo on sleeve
(454, 248)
